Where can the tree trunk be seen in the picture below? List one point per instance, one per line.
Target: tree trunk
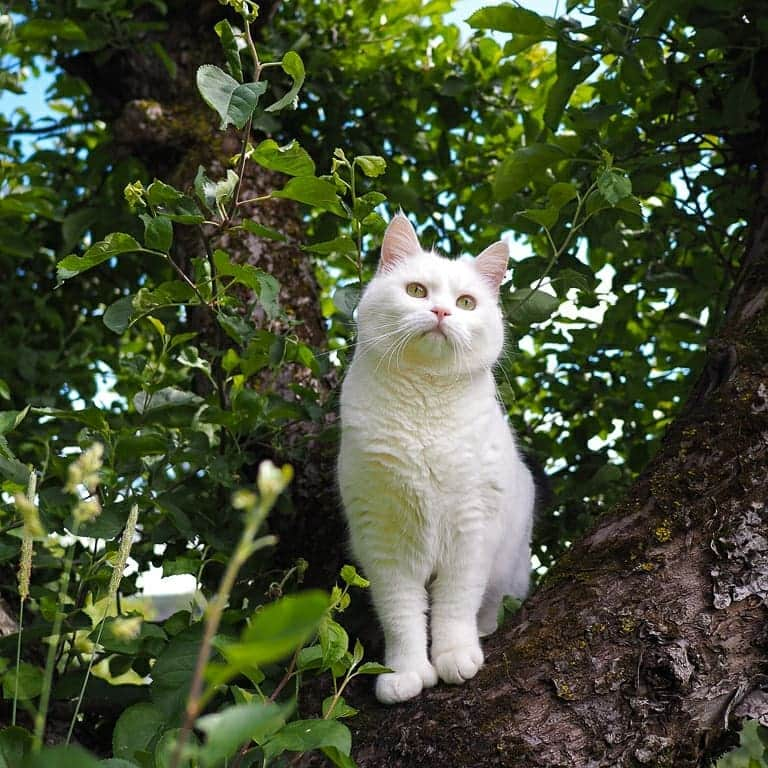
(646, 645)
(164, 122)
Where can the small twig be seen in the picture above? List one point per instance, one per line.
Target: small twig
(183, 275)
(243, 751)
(255, 199)
(286, 677)
(195, 700)
(240, 172)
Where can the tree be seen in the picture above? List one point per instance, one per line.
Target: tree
(639, 103)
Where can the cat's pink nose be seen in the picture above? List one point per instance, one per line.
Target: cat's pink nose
(441, 313)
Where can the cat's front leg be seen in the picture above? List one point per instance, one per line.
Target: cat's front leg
(456, 596)
(401, 603)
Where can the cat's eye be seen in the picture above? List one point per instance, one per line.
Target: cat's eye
(417, 290)
(466, 302)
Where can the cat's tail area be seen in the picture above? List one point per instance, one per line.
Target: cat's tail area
(544, 497)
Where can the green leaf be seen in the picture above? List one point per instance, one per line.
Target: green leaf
(112, 245)
(9, 420)
(570, 278)
(159, 194)
(227, 730)
(357, 653)
(595, 202)
(231, 50)
(561, 91)
(225, 189)
(167, 397)
(136, 730)
(261, 231)
(62, 757)
(5, 390)
(310, 657)
(190, 357)
(293, 66)
(278, 629)
(215, 194)
(114, 640)
(522, 166)
(118, 314)
(30, 682)
(334, 641)
(233, 102)
(291, 159)
(372, 668)
(245, 274)
(561, 193)
(166, 294)
(346, 298)
(305, 735)
(158, 232)
(343, 245)
(315, 192)
(269, 295)
(264, 285)
(172, 672)
(339, 759)
(340, 710)
(44, 30)
(14, 470)
(526, 306)
(512, 18)
(364, 206)
(547, 217)
(371, 165)
(165, 747)
(352, 578)
(15, 746)
(614, 186)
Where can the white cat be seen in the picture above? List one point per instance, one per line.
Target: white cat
(435, 492)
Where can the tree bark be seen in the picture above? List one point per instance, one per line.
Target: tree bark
(646, 645)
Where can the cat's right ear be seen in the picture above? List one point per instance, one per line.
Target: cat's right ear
(400, 242)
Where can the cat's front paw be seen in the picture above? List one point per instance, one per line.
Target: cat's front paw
(394, 687)
(459, 664)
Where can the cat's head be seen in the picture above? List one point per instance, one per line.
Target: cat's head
(423, 311)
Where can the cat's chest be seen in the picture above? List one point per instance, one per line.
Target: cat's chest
(431, 441)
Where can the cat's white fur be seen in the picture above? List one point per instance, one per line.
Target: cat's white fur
(438, 500)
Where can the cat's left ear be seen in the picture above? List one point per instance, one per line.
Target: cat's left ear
(400, 242)
(492, 264)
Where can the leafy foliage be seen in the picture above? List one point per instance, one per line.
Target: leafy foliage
(615, 144)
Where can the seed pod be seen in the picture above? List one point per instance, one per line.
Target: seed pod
(124, 551)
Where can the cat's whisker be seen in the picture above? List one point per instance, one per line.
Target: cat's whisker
(369, 344)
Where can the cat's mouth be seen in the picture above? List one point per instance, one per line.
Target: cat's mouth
(435, 333)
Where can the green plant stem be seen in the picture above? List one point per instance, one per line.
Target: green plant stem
(255, 199)
(358, 227)
(558, 252)
(243, 551)
(42, 712)
(18, 661)
(87, 674)
(183, 275)
(247, 131)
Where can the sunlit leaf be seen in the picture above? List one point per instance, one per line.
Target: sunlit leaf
(293, 66)
(234, 102)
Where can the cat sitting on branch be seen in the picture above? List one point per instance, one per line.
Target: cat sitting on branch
(438, 499)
